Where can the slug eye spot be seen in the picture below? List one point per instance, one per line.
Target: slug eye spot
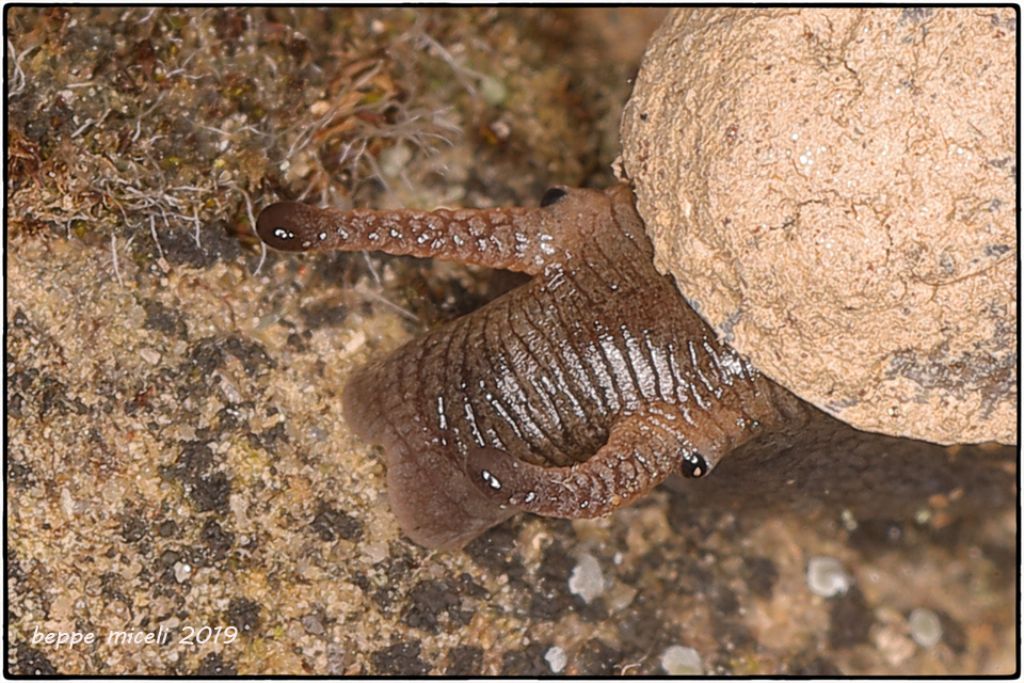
(694, 465)
(552, 195)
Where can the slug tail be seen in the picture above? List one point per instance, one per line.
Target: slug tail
(435, 503)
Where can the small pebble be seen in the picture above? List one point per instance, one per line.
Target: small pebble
(182, 571)
(230, 389)
(317, 434)
(150, 356)
(678, 660)
(619, 597)
(848, 519)
(67, 503)
(925, 627)
(586, 580)
(826, 577)
(312, 624)
(556, 659)
(375, 552)
(493, 91)
(501, 130)
(893, 644)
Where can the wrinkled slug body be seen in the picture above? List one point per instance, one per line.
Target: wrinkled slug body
(568, 396)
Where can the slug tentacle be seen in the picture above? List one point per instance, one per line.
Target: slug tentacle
(642, 449)
(518, 239)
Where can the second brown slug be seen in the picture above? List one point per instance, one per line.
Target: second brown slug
(569, 396)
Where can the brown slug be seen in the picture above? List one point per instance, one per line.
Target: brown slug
(569, 396)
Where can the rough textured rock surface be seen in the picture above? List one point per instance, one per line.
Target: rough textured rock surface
(176, 455)
(834, 191)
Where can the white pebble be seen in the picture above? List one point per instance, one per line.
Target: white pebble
(925, 627)
(182, 571)
(493, 91)
(67, 502)
(556, 659)
(826, 577)
(150, 356)
(678, 660)
(586, 580)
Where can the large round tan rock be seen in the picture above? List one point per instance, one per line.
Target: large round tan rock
(833, 190)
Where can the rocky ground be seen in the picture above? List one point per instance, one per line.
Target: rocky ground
(176, 457)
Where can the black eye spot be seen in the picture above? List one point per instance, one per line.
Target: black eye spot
(694, 465)
(552, 195)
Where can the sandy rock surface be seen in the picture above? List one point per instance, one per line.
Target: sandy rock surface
(176, 456)
(834, 191)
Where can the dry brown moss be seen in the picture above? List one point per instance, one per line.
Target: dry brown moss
(129, 124)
